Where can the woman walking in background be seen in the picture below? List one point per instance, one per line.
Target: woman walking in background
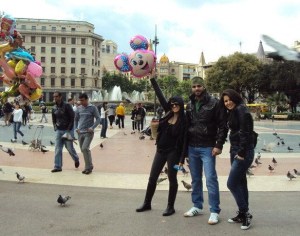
(103, 120)
(240, 123)
(17, 118)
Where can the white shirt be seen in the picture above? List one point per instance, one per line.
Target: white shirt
(18, 115)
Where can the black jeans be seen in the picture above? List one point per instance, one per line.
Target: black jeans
(159, 161)
(121, 121)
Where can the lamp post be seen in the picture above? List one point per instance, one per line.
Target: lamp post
(155, 42)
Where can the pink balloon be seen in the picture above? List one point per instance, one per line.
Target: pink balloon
(34, 69)
(142, 62)
(139, 42)
(8, 71)
(121, 63)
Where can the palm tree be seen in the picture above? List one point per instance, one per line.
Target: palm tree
(277, 101)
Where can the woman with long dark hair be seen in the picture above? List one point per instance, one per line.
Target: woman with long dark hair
(240, 123)
(169, 150)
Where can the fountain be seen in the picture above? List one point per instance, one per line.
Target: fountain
(117, 95)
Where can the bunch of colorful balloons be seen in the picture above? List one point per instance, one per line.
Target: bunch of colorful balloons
(19, 68)
(140, 62)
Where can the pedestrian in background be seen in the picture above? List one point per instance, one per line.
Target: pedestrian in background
(120, 112)
(240, 123)
(133, 118)
(7, 111)
(44, 113)
(103, 121)
(87, 118)
(63, 122)
(17, 118)
(111, 115)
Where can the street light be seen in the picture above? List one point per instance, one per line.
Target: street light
(155, 42)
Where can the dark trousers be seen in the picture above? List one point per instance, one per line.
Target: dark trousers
(140, 124)
(121, 121)
(237, 179)
(111, 120)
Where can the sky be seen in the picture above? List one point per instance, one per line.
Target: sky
(185, 28)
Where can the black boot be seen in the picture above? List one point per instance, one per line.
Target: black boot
(148, 198)
(171, 200)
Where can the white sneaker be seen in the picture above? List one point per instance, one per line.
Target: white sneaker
(213, 219)
(194, 211)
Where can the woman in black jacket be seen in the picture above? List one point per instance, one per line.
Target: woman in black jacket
(169, 150)
(241, 138)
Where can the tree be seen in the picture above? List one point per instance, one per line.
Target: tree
(168, 85)
(239, 72)
(277, 102)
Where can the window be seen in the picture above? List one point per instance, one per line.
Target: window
(63, 70)
(107, 49)
(44, 69)
(82, 51)
(53, 50)
(72, 83)
(73, 60)
(93, 52)
(82, 71)
(23, 27)
(73, 29)
(43, 39)
(82, 83)
(52, 82)
(73, 50)
(83, 41)
(62, 82)
(73, 40)
(24, 38)
(53, 39)
(92, 62)
(63, 60)
(63, 40)
(103, 50)
(43, 59)
(72, 70)
(32, 49)
(33, 28)
(53, 29)
(63, 50)
(63, 29)
(52, 70)
(44, 28)
(43, 49)
(53, 60)
(42, 81)
(32, 39)
(82, 60)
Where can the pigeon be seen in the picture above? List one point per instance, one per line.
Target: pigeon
(29, 126)
(184, 171)
(7, 150)
(186, 185)
(63, 199)
(282, 51)
(142, 137)
(275, 133)
(257, 162)
(282, 142)
(51, 143)
(166, 170)
(101, 145)
(2, 170)
(290, 176)
(296, 172)
(258, 155)
(278, 144)
(274, 161)
(290, 149)
(160, 180)
(44, 150)
(20, 177)
(270, 168)
(249, 172)
(24, 143)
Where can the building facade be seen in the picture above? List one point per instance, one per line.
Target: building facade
(69, 52)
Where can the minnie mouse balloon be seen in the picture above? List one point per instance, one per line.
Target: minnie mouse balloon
(142, 62)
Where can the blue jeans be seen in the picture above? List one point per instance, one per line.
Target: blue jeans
(103, 122)
(237, 180)
(201, 157)
(17, 126)
(85, 140)
(59, 144)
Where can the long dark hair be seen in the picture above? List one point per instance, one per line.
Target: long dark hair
(233, 95)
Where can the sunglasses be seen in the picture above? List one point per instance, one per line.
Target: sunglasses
(175, 104)
(197, 86)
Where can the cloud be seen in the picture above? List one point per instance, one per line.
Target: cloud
(184, 28)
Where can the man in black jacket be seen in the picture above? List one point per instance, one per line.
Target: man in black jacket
(206, 134)
(63, 122)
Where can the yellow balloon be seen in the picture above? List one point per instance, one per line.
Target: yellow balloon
(4, 48)
(36, 94)
(20, 67)
(12, 63)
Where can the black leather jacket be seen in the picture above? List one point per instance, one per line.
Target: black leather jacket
(240, 123)
(63, 116)
(207, 127)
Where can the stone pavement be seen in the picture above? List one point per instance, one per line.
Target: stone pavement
(104, 202)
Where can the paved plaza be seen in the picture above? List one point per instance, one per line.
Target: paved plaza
(104, 202)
